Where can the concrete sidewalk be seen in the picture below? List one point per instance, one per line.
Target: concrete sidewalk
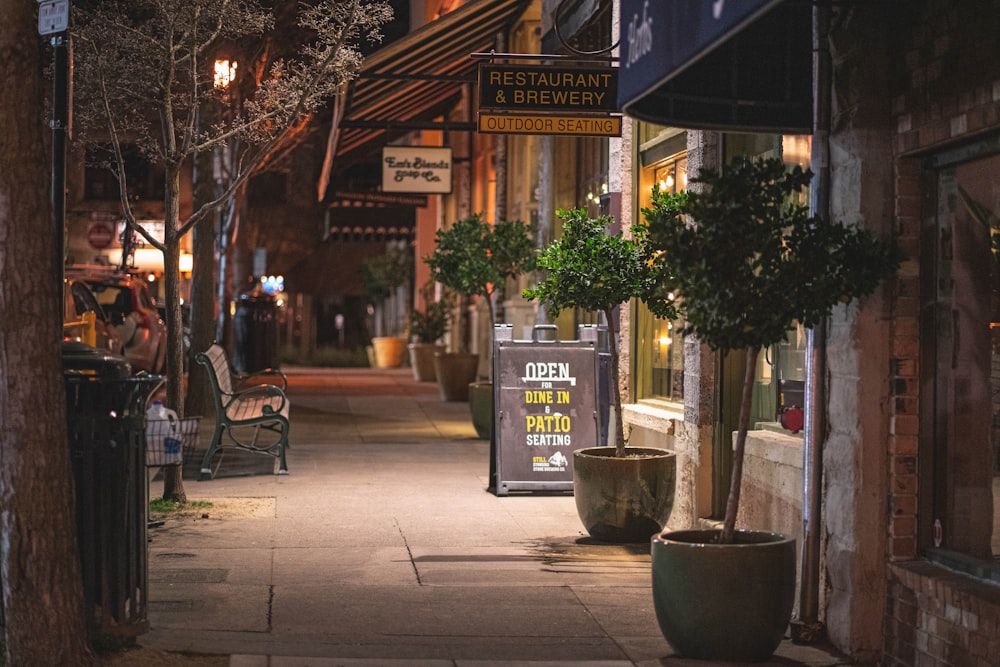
(383, 547)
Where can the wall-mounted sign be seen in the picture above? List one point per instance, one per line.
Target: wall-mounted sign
(600, 126)
(420, 169)
(548, 89)
(545, 395)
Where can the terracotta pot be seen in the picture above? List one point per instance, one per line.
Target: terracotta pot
(455, 370)
(727, 602)
(388, 351)
(625, 499)
(422, 360)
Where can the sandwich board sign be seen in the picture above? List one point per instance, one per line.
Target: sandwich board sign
(546, 403)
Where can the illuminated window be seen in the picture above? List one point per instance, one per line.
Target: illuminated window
(659, 346)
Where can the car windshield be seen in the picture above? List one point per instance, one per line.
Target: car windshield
(114, 298)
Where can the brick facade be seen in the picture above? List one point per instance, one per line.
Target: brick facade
(945, 92)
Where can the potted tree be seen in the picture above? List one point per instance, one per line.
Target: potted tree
(474, 258)
(622, 494)
(381, 276)
(745, 261)
(427, 326)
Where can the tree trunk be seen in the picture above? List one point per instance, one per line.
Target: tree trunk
(616, 390)
(42, 591)
(203, 277)
(742, 426)
(173, 482)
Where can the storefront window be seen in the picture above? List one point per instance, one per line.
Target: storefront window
(960, 409)
(659, 351)
(779, 383)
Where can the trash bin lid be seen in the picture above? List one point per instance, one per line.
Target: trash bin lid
(81, 359)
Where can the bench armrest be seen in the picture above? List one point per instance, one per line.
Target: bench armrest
(271, 374)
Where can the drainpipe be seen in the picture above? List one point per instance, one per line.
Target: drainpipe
(807, 628)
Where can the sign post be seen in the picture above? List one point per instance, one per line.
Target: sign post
(545, 394)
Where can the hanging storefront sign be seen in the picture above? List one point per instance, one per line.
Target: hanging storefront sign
(565, 100)
(600, 126)
(547, 89)
(416, 169)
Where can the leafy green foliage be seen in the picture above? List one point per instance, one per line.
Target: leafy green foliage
(746, 260)
(588, 268)
(429, 324)
(383, 273)
(473, 257)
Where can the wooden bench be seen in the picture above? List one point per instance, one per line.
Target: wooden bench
(242, 408)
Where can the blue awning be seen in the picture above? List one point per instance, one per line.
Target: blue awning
(720, 64)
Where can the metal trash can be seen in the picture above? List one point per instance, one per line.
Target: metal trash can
(255, 333)
(105, 418)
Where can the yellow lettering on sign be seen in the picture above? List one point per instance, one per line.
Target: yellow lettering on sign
(606, 126)
(537, 396)
(547, 423)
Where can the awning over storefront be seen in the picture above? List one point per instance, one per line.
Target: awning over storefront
(406, 84)
(352, 219)
(725, 65)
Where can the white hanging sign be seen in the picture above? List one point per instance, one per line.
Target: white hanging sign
(421, 169)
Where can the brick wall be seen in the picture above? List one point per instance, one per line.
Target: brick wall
(936, 617)
(946, 91)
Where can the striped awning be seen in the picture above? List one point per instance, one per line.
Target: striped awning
(408, 83)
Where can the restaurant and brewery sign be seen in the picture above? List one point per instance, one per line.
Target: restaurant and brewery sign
(545, 99)
(416, 169)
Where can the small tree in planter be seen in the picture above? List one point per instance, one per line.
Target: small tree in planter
(381, 276)
(589, 269)
(475, 258)
(431, 323)
(427, 326)
(745, 262)
(627, 497)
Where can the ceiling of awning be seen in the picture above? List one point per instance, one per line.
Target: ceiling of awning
(405, 85)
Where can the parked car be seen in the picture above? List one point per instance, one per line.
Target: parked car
(131, 308)
(84, 320)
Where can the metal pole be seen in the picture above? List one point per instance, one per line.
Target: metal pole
(807, 628)
(60, 127)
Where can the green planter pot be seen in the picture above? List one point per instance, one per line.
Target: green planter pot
(481, 407)
(723, 601)
(626, 499)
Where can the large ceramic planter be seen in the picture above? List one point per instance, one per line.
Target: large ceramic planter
(481, 407)
(625, 499)
(388, 351)
(455, 370)
(723, 601)
(422, 360)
